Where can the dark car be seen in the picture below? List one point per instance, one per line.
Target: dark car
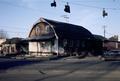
(111, 55)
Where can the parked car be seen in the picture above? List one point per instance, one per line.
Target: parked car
(111, 55)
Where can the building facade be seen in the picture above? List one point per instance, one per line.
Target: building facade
(49, 37)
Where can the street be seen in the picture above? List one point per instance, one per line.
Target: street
(64, 69)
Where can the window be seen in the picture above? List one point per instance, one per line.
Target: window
(43, 44)
(83, 44)
(42, 29)
(77, 43)
(37, 30)
(47, 28)
(71, 43)
(12, 49)
(64, 42)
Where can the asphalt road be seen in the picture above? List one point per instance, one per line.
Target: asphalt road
(65, 69)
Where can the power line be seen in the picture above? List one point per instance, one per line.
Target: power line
(96, 1)
(14, 33)
(15, 30)
(90, 6)
(111, 33)
(1, 26)
(73, 3)
(28, 8)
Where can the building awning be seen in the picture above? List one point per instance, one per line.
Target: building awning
(41, 38)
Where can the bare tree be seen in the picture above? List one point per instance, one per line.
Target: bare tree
(114, 38)
(3, 34)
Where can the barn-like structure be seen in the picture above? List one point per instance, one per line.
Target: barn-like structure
(49, 37)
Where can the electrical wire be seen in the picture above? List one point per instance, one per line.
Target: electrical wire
(96, 1)
(90, 6)
(10, 30)
(14, 31)
(11, 27)
(73, 3)
(27, 8)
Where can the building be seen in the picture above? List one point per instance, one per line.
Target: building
(1, 41)
(14, 46)
(49, 37)
(112, 45)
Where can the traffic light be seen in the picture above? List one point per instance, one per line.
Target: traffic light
(53, 4)
(104, 13)
(67, 8)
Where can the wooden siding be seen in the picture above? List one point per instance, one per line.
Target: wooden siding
(40, 29)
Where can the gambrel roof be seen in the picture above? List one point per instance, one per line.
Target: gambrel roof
(64, 30)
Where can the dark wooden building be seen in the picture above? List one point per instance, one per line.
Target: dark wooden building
(48, 37)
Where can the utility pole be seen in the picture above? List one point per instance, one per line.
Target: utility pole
(104, 30)
(118, 37)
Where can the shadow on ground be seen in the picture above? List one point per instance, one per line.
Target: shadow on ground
(4, 65)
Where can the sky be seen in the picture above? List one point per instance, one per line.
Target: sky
(18, 16)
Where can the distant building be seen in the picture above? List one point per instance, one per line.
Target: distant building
(1, 41)
(106, 44)
(112, 45)
(14, 46)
